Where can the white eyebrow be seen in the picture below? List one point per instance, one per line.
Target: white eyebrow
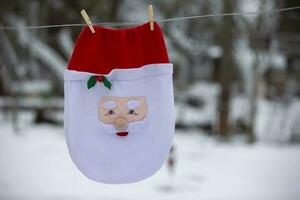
(133, 104)
(109, 105)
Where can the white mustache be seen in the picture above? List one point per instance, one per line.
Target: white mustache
(133, 127)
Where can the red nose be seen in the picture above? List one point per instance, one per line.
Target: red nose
(122, 134)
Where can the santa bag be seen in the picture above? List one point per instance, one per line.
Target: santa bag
(119, 103)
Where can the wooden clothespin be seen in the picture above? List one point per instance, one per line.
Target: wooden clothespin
(151, 17)
(87, 20)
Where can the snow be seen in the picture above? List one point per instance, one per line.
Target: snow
(66, 42)
(32, 86)
(204, 91)
(246, 60)
(40, 49)
(32, 102)
(250, 6)
(215, 51)
(239, 109)
(35, 165)
(277, 121)
(278, 60)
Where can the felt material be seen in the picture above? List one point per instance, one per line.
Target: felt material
(93, 80)
(120, 134)
(96, 148)
(130, 108)
(109, 49)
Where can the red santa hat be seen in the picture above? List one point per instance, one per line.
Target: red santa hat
(109, 49)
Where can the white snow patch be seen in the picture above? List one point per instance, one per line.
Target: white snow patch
(36, 165)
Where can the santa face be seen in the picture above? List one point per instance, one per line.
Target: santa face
(122, 134)
(122, 115)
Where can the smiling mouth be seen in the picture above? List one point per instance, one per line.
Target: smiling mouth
(122, 134)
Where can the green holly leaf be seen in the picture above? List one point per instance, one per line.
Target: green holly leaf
(91, 82)
(106, 82)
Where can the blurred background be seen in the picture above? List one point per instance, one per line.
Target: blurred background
(237, 99)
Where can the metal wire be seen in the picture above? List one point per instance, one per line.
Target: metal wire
(118, 24)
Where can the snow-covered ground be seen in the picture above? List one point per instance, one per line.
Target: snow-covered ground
(35, 164)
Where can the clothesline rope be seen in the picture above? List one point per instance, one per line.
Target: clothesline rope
(118, 24)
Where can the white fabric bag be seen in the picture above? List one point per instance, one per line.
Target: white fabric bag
(122, 134)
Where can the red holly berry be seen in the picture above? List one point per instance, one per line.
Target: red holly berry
(99, 78)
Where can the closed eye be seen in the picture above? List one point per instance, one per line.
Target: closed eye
(131, 112)
(110, 112)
